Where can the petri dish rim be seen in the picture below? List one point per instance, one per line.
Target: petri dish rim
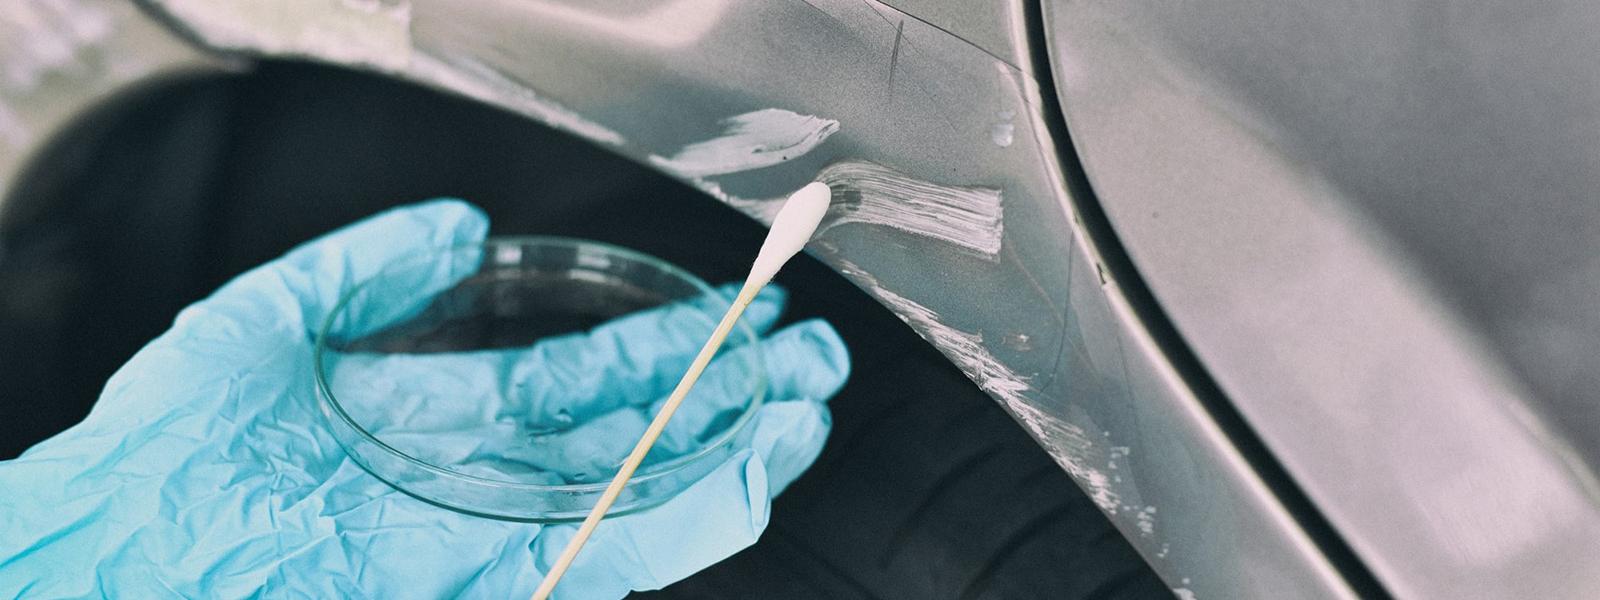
(645, 474)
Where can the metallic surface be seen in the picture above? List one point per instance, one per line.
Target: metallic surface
(1376, 226)
(1036, 321)
(1371, 225)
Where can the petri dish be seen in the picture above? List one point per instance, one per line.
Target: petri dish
(509, 379)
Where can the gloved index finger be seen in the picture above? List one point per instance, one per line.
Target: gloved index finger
(630, 360)
(803, 362)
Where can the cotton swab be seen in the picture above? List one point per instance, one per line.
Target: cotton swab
(791, 229)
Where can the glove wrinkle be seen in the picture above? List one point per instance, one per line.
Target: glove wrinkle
(206, 468)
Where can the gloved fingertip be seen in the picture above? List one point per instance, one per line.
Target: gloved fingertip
(758, 486)
(806, 360)
(790, 436)
(714, 518)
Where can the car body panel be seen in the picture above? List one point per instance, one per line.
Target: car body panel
(1375, 226)
(1355, 334)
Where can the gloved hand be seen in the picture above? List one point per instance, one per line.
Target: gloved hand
(206, 470)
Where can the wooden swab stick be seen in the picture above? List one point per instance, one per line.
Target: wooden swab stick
(791, 229)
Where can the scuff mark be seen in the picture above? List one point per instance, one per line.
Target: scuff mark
(357, 32)
(894, 55)
(971, 218)
(1018, 342)
(870, 193)
(967, 348)
(1003, 132)
(750, 141)
(482, 82)
(1183, 593)
(1068, 444)
(1147, 521)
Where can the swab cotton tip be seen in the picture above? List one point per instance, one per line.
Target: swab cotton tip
(791, 229)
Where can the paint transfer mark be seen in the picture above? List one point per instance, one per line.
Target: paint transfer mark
(970, 218)
(477, 80)
(870, 193)
(1018, 342)
(1068, 444)
(1146, 519)
(1184, 594)
(751, 141)
(1003, 132)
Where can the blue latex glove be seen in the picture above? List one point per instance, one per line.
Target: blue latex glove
(206, 470)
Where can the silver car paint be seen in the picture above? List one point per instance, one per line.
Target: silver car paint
(1247, 188)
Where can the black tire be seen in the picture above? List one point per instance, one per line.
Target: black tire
(925, 490)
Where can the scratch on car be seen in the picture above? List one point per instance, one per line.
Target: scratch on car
(968, 217)
(750, 141)
(894, 55)
(1066, 443)
(1146, 518)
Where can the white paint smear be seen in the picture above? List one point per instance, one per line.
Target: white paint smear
(1065, 442)
(971, 218)
(1147, 521)
(751, 141)
(968, 217)
(1003, 132)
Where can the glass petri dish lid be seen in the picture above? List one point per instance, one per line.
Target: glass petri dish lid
(509, 379)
